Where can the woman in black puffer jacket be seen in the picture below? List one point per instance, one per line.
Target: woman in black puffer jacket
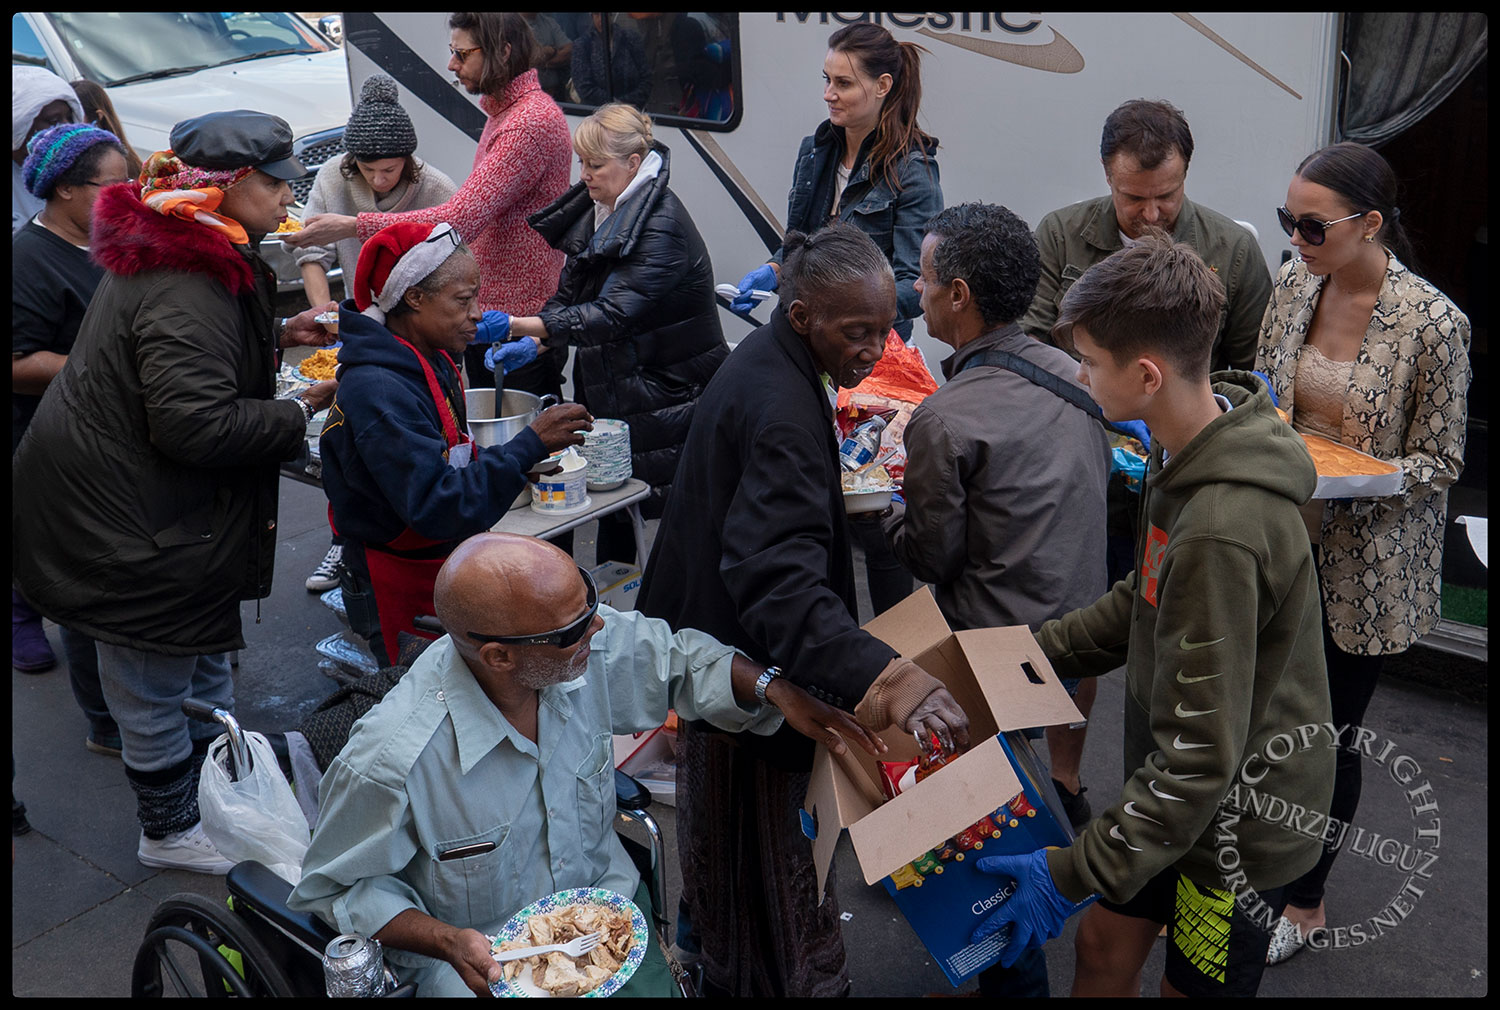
(636, 299)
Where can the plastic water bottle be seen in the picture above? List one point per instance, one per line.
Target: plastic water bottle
(862, 444)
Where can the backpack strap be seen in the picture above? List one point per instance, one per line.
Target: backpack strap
(1050, 381)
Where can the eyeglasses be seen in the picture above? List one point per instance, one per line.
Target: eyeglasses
(463, 54)
(101, 183)
(1313, 230)
(568, 634)
(447, 237)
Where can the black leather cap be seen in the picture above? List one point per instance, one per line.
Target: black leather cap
(229, 140)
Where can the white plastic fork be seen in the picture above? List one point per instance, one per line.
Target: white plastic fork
(576, 947)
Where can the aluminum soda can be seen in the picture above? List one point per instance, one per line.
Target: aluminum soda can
(353, 966)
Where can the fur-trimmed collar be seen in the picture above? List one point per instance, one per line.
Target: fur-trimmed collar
(130, 238)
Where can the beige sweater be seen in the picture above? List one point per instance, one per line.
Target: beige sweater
(334, 194)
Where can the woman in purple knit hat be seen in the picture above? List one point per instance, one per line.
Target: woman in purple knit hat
(52, 280)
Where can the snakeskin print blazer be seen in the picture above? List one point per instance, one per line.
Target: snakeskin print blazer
(1408, 403)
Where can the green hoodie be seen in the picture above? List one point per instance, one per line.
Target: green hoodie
(1229, 760)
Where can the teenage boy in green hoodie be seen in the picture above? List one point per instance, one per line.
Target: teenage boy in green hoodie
(1220, 633)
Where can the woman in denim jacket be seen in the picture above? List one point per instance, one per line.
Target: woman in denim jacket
(868, 164)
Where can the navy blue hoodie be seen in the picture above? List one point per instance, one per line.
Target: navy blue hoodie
(385, 459)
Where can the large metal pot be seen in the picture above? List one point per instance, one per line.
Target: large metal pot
(517, 409)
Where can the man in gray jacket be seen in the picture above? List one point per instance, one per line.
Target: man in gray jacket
(1005, 478)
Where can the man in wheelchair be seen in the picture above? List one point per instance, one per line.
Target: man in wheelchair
(485, 779)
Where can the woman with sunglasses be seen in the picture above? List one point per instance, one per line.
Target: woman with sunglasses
(1361, 350)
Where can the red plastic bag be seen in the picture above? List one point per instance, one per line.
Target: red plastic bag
(901, 380)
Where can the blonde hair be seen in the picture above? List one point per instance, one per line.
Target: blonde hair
(615, 130)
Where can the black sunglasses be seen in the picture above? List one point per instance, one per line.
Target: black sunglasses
(568, 634)
(1313, 230)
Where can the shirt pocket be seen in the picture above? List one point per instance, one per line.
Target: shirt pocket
(596, 795)
(1070, 274)
(465, 888)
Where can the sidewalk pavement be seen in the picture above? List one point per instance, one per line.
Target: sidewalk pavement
(80, 900)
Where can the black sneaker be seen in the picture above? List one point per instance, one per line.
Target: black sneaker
(19, 825)
(1074, 805)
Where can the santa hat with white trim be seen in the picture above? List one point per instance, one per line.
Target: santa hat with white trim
(397, 258)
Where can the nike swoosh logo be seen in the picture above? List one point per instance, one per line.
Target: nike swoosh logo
(1193, 680)
(1188, 746)
(1187, 646)
(1114, 833)
(1130, 809)
(1058, 56)
(1161, 795)
(1183, 713)
(1183, 776)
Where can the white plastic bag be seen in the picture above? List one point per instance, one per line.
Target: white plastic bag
(257, 817)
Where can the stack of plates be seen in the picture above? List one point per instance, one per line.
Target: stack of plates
(608, 450)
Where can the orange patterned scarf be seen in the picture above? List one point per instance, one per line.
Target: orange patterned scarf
(170, 187)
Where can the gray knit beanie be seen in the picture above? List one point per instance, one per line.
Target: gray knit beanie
(379, 127)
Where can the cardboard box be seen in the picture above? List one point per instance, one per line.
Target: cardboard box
(922, 845)
(1376, 479)
(618, 584)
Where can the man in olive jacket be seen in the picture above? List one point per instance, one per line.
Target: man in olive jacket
(145, 508)
(1145, 148)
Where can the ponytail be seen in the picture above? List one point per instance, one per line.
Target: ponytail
(897, 132)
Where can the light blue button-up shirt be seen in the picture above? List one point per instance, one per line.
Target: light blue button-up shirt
(435, 767)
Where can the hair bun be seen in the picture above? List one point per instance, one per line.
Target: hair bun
(380, 88)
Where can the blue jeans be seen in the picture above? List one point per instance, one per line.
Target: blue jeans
(145, 691)
(83, 678)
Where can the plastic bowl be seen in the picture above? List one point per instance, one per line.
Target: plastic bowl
(872, 499)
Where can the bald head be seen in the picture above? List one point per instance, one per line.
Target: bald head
(505, 584)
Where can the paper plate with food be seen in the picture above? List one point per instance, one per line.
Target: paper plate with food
(868, 490)
(563, 917)
(321, 365)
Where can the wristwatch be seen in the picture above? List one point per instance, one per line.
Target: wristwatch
(307, 408)
(764, 681)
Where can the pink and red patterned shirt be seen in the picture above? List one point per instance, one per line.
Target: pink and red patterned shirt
(521, 166)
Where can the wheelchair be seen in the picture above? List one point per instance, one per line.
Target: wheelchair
(254, 945)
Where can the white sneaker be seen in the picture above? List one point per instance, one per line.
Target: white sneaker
(183, 850)
(327, 575)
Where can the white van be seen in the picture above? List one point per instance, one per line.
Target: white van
(1018, 102)
(161, 67)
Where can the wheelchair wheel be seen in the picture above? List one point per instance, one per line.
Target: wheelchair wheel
(197, 947)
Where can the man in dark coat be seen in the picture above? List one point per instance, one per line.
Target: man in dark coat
(754, 549)
(147, 482)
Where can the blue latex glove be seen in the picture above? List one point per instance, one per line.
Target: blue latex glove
(1136, 430)
(762, 277)
(1263, 377)
(493, 328)
(1035, 912)
(509, 357)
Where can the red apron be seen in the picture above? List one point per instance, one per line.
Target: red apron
(403, 586)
